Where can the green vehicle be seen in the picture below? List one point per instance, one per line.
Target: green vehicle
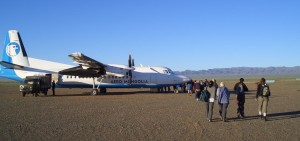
(36, 85)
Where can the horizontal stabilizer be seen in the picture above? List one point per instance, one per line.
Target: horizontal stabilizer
(10, 65)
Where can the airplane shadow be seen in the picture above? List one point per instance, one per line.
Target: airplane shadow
(127, 93)
(271, 117)
(106, 94)
(63, 95)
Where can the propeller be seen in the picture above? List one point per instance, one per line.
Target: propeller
(130, 64)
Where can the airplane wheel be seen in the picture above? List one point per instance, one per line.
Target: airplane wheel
(94, 92)
(23, 94)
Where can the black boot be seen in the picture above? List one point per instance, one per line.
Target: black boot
(265, 118)
(242, 116)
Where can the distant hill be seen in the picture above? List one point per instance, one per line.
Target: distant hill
(242, 71)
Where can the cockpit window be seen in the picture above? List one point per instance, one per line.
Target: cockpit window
(171, 72)
(168, 71)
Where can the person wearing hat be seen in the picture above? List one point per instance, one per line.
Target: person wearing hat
(240, 88)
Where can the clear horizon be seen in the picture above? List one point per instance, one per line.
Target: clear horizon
(181, 35)
(246, 67)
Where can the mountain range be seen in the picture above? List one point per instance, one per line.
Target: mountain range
(239, 71)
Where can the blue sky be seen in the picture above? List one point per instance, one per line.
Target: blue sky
(179, 34)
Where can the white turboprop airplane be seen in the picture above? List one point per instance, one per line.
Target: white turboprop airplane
(16, 65)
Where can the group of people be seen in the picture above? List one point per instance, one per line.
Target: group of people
(221, 94)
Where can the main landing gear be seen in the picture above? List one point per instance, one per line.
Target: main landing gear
(95, 91)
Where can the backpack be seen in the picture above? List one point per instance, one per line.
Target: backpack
(197, 86)
(204, 96)
(266, 91)
(240, 89)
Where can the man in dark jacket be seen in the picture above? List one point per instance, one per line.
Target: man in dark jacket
(240, 88)
(53, 87)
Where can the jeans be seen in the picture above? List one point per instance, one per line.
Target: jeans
(210, 110)
(197, 95)
(223, 110)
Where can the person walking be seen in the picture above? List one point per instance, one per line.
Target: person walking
(212, 90)
(197, 90)
(240, 88)
(175, 88)
(262, 96)
(53, 87)
(190, 87)
(215, 83)
(223, 96)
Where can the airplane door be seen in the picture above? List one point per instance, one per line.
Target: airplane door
(153, 78)
(55, 77)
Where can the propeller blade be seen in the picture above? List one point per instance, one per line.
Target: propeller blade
(130, 73)
(129, 61)
(132, 62)
(130, 76)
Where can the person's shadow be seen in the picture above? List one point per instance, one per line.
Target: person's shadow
(285, 115)
(271, 117)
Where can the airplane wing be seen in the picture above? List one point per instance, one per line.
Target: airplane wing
(86, 61)
(88, 67)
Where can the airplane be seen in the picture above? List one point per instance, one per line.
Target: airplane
(16, 65)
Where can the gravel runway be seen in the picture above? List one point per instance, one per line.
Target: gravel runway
(135, 114)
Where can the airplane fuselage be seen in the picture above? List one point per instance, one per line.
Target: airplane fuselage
(142, 77)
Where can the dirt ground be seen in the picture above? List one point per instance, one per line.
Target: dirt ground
(135, 114)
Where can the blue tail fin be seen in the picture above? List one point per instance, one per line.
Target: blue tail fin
(14, 54)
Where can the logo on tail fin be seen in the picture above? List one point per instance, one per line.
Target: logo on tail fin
(12, 49)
